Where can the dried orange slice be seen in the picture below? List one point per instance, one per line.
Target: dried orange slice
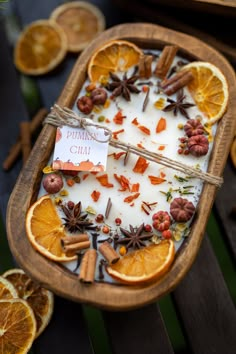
(144, 265)
(41, 46)
(45, 230)
(17, 326)
(116, 55)
(209, 89)
(81, 22)
(233, 152)
(7, 290)
(40, 299)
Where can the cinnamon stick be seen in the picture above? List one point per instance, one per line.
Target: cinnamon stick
(109, 253)
(16, 148)
(68, 240)
(88, 266)
(25, 140)
(165, 60)
(145, 66)
(176, 82)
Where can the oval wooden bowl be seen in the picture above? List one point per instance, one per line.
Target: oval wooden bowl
(54, 276)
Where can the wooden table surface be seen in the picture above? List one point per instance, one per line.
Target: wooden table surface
(203, 304)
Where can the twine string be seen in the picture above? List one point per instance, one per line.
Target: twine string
(65, 116)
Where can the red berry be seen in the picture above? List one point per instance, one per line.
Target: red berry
(70, 204)
(147, 228)
(167, 234)
(118, 221)
(99, 218)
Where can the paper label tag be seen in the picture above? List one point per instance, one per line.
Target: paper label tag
(77, 150)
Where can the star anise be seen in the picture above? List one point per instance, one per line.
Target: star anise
(76, 220)
(134, 237)
(179, 105)
(123, 87)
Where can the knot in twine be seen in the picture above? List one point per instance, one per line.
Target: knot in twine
(65, 116)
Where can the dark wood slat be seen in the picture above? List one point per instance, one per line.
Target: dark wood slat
(225, 202)
(205, 306)
(67, 330)
(140, 331)
(12, 111)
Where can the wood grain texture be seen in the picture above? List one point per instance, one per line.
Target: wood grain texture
(137, 331)
(205, 306)
(25, 192)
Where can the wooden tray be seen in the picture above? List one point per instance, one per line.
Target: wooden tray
(54, 276)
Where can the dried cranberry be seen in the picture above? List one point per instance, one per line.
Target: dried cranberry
(98, 96)
(85, 104)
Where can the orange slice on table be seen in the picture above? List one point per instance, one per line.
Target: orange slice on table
(145, 264)
(45, 230)
(81, 22)
(40, 299)
(7, 290)
(41, 46)
(17, 326)
(116, 55)
(209, 89)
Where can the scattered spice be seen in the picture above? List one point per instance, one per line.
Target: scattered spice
(144, 129)
(165, 60)
(145, 66)
(88, 266)
(123, 181)
(76, 220)
(141, 165)
(108, 253)
(160, 103)
(134, 237)
(132, 197)
(95, 195)
(147, 207)
(115, 134)
(156, 180)
(101, 266)
(146, 99)
(103, 180)
(178, 106)
(176, 82)
(118, 118)
(117, 155)
(123, 87)
(108, 208)
(161, 125)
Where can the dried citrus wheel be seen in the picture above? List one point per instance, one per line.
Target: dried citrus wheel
(209, 89)
(41, 46)
(81, 22)
(145, 264)
(40, 299)
(17, 326)
(116, 55)
(233, 152)
(45, 230)
(7, 290)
